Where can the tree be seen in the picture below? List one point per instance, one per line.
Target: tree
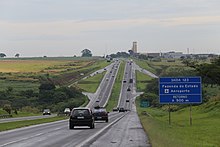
(17, 55)
(131, 52)
(2, 55)
(7, 108)
(86, 53)
(47, 86)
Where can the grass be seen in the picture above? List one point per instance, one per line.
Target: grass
(19, 124)
(19, 113)
(91, 84)
(142, 80)
(113, 100)
(204, 131)
(211, 91)
(19, 85)
(2, 111)
(144, 64)
(24, 73)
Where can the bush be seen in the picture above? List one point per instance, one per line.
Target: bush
(30, 109)
(7, 108)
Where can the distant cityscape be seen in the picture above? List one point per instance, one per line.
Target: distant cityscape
(171, 54)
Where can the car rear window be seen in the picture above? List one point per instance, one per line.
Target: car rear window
(78, 112)
(99, 110)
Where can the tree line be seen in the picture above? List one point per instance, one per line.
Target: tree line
(48, 96)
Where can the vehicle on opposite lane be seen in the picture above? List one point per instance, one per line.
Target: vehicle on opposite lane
(46, 112)
(81, 117)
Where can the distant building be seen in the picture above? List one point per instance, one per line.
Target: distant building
(174, 55)
(152, 55)
(134, 47)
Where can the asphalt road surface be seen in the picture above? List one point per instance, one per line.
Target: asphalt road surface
(102, 94)
(54, 134)
(128, 132)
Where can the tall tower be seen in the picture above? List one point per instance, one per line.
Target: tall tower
(134, 47)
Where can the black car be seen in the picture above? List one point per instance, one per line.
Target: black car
(100, 114)
(121, 110)
(115, 109)
(81, 117)
(46, 112)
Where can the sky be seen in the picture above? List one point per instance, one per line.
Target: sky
(66, 27)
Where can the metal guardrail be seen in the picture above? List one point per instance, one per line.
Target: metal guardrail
(5, 115)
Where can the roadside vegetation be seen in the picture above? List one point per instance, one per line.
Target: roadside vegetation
(113, 100)
(91, 84)
(204, 131)
(205, 128)
(19, 124)
(40, 83)
(141, 81)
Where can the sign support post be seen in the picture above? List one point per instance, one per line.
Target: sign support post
(190, 115)
(169, 115)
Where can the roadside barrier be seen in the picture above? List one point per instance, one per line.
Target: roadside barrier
(5, 115)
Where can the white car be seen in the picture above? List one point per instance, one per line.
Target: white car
(67, 111)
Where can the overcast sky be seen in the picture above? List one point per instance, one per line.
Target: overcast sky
(65, 27)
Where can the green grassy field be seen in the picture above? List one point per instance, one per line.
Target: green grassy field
(113, 100)
(205, 119)
(145, 64)
(91, 84)
(204, 131)
(19, 124)
(142, 80)
(24, 73)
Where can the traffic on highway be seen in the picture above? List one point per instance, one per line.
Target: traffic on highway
(91, 125)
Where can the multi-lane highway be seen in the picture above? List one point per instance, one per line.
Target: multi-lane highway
(102, 94)
(123, 129)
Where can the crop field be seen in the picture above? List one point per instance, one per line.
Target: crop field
(25, 73)
(7, 66)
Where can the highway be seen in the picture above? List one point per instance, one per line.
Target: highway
(125, 98)
(123, 129)
(103, 92)
(54, 134)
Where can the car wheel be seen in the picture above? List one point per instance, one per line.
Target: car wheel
(106, 120)
(92, 126)
(71, 126)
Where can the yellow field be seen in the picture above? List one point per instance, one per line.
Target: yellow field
(13, 66)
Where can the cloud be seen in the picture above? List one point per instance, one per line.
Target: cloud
(71, 28)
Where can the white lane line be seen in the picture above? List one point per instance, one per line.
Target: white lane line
(29, 137)
(22, 139)
(99, 132)
(33, 126)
